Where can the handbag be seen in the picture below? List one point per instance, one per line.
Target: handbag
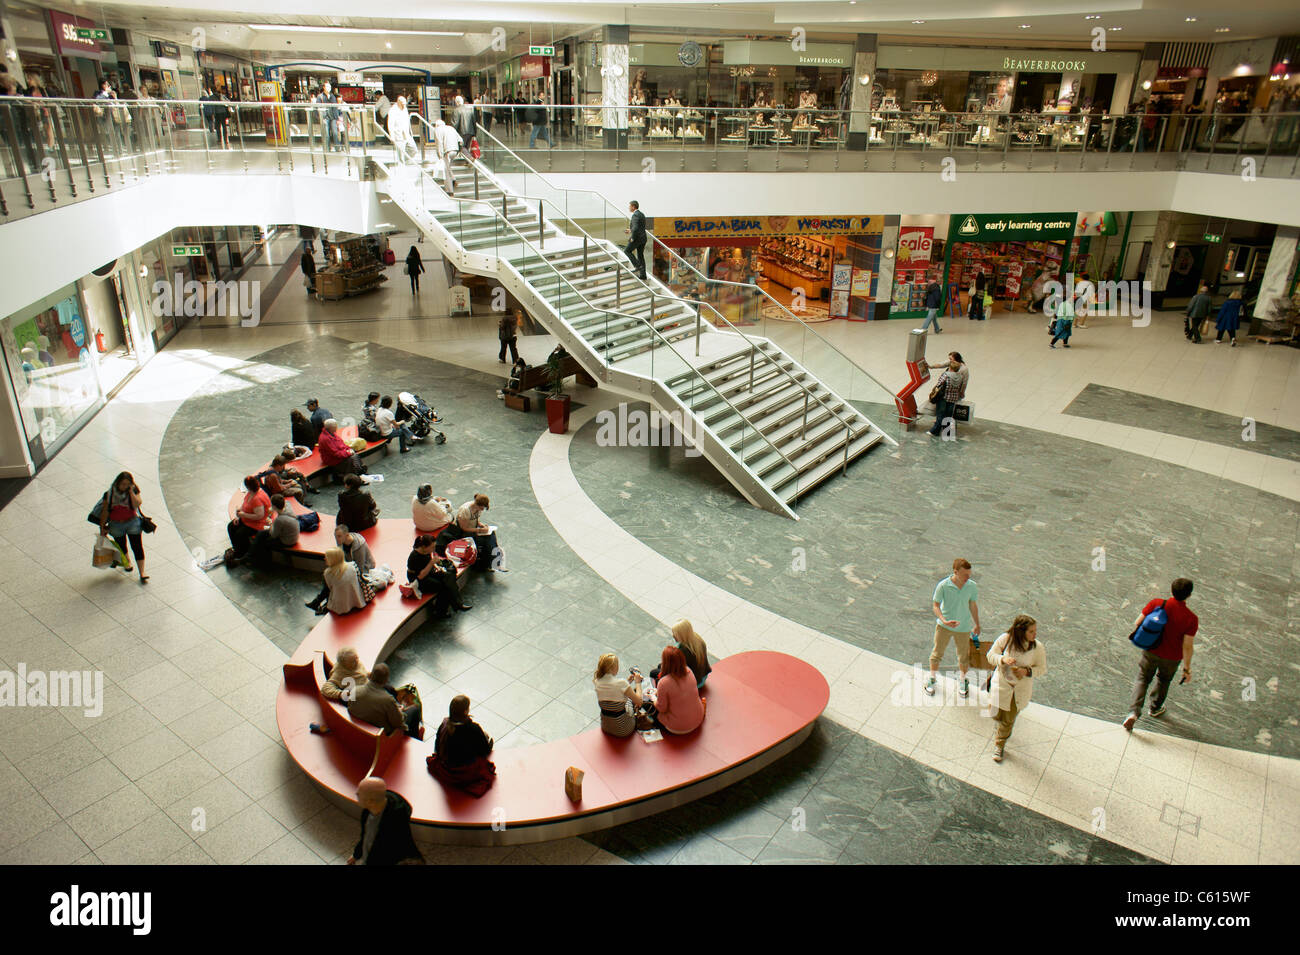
(146, 524)
(367, 591)
(308, 522)
(474, 149)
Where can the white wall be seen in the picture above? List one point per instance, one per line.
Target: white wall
(44, 252)
(900, 193)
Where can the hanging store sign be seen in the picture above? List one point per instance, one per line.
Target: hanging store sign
(1000, 228)
(541, 51)
(534, 67)
(67, 34)
(741, 226)
(166, 49)
(966, 59)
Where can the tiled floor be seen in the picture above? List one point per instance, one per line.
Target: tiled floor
(185, 763)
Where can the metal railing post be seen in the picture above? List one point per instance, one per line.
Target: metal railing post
(584, 256)
(752, 349)
(803, 432)
(541, 226)
(476, 183)
(698, 330)
(618, 285)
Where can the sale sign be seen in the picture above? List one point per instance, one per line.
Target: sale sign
(914, 245)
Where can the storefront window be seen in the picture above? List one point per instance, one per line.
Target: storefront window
(51, 368)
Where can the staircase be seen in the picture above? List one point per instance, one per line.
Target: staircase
(762, 419)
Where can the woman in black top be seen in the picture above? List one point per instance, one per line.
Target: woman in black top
(434, 576)
(413, 268)
(309, 269)
(357, 509)
(461, 750)
(304, 435)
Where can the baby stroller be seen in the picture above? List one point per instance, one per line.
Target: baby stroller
(416, 412)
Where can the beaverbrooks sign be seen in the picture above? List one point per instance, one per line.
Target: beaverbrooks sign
(995, 228)
(1044, 66)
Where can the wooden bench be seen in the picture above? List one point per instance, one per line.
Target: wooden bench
(537, 377)
(761, 705)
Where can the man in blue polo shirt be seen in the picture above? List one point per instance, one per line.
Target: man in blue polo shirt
(957, 618)
(319, 416)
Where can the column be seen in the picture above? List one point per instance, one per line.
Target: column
(1162, 257)
(864, 75)
(1283, 260)
(614, 83)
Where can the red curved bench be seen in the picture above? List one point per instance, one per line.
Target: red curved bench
(761, 705)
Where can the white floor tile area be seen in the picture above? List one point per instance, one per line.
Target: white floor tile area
(185, 764)
(1175, 800)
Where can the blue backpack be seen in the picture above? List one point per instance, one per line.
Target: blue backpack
(1151, 629)
(308, 522)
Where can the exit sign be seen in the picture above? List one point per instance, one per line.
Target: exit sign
(85, 34)
(1213, 238)
(187, 250)
(541, 51)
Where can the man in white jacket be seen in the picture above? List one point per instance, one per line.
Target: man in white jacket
(447, 142)
(399, 130)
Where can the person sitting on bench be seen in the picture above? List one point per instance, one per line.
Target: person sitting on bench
(343, 582)
(336, 454)
(431, 514)
(279, 479)
(251, 516)
(460, 755)
(693, 649)
(302, 432)
(617, 698)
(389, 427)
(434, 577)
(374, 703)
(356, 552)
(467, 524)
(678, 707)
(345, 676)
(281, 534)
(319, 416)
(357, 509)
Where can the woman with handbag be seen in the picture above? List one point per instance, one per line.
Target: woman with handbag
(1016, 658)
(120, 518)
(413, 268)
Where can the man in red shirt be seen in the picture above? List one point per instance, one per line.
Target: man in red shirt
(1162, 660)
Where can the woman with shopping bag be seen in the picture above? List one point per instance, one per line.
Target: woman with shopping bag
(119, 516)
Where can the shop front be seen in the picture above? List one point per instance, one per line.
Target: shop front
(820, 267)
(1012, 250)
(914, 79)
(920, 253)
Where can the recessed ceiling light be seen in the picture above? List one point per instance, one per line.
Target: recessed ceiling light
(1093, 16)
(1024, 26)
(388, 45)
(1220, 29)
(299, 28)
(1114, 29)
(1189, 19)
(918, 21)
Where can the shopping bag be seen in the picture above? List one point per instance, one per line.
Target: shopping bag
(105, 554)
(979, 654)
(389, 257)
(474, 149)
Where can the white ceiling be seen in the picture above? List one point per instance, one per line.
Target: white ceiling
(1045, 22)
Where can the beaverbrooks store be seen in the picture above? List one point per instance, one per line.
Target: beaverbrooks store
(1011, 249)
(827, 265)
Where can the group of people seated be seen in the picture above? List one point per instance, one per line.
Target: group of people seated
(461, 748)
(351, 577)
(670, 701)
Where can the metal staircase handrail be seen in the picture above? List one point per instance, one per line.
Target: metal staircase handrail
(708, 281)
(654, 332)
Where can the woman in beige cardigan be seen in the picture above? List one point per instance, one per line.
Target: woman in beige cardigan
(1016, 658)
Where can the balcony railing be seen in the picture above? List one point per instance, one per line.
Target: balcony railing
(55, 151)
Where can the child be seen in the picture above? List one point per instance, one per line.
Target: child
(1064, 321)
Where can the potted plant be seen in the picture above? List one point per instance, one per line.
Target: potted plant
(557, 402)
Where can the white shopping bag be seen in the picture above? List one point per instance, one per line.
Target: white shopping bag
(105, 553)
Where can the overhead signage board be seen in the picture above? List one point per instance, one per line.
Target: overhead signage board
(739, 226)
(89, 33)
(187, 250)
(541, 51)
(783, 53)
(1002, 227)
(966, 59)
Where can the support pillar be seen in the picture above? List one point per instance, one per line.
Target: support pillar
(614, 84)
(864, 76)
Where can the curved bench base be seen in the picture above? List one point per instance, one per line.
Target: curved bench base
(518, 835)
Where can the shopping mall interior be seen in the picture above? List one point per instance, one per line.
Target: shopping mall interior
(705, 340)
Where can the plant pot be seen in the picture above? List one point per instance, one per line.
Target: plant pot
(557, 414)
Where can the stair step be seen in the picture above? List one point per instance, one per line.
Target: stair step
(788, 490)
(762, 459)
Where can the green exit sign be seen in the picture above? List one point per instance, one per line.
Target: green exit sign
(87, 34)
(541, 51)
(1213, 238)
(187, 250)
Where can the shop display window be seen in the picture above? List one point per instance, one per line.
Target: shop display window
(50, 368)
